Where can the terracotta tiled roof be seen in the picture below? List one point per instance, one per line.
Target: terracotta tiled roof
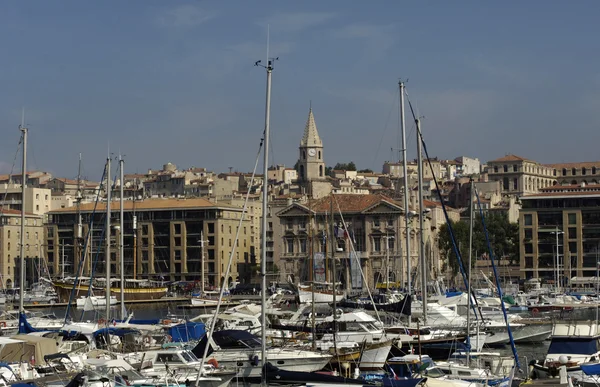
(149, 204)
(509, 157)
(349, 203)
(584, 164)
(65, 180)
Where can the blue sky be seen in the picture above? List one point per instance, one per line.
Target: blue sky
(171, 81)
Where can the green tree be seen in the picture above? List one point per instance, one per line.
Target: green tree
(345, 167)
(503, 235)
(366, 171)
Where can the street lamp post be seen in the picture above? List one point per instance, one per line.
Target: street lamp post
(387, 256)
(202, 241)
(557, 262)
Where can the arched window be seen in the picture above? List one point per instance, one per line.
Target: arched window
(320, 170)
(583, 170)
(564, 171)
(593, 170)
(573, 171)
(303, 155)
(319, 155)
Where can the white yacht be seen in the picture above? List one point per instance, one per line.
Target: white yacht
(180, 364)
(241, 351)
(360, 327)
(572, 344)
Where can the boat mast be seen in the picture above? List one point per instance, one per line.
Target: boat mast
(265, 198)
(22, 239)
(107, 259)
(121, 232)
(423, 262)
(79, 235)
(471, 185)
(312, 276)
(333, 244)
(406, 193)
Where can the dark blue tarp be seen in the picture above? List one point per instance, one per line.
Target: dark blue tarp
(576, 346)
(591, 369)
(453, 294)
(115, 331)
(190, 331)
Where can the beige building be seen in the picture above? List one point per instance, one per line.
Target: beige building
(372, 221)
(396, 170)
(519, 176)
(576, 173)
(10, 242)
(166, 242)
(38, 201)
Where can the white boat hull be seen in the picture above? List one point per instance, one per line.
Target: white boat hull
(204, 302)
(289, 360)
(95, 301)
(306, 297)
(375, 355)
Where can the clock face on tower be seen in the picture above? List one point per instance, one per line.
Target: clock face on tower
(312, 152)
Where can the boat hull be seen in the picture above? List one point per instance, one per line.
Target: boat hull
(375, 355)
(64, 290)
(248, 365)
(306, 296)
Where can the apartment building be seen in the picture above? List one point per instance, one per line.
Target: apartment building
(563, 220)
(162, 240)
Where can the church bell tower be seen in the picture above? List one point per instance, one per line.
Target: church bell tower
(310, 164)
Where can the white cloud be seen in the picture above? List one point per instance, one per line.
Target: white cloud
(185, 16)
(281, 22)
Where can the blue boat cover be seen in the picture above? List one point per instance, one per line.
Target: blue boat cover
(190, 331)
(453, 294)
(591, 369)
(24, 326)
(568, 345)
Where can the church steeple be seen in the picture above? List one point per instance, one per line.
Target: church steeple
(311, 135)
(311, 163)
